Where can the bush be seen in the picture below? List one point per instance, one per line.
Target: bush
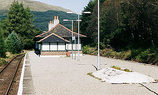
(86, 49)
(13, 43)
(2, 62)
(89, 50)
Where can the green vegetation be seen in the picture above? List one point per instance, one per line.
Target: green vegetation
(145, 56)
(26, 25)
(126, 70)
(3, 61)
(19, 26)
(13, 43)
(90, 74)
(2, 45)
(128, 29)
(42, 13)
(156, 80)
(20, 20)
(41, 19)
(116, 67)
(119, 68)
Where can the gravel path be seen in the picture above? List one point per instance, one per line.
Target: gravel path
(65, 76)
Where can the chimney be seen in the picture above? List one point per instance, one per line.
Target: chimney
(53, 23)
(56, 20)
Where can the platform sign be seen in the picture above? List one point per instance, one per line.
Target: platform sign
(73, 38)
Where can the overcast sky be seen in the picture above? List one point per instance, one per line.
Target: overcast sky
(76, 6)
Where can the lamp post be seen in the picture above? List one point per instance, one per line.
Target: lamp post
(98, 60)
(72, 34)
(78, 58)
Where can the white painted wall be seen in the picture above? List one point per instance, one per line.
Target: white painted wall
(45, 46)
(53, 46)
(75, 46)
(61, 46)
(51, 25)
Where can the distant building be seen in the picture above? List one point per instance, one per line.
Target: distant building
(58, 40)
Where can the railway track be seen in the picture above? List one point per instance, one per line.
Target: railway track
(8, 73)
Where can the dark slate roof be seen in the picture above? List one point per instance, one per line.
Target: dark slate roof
(53, 38)
(61, 31)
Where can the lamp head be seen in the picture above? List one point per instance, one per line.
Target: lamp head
(70, 12)
(87, 12)
(65, 20)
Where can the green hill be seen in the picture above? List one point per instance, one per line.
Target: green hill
(43, 13)
(34, 5)
(41, 19)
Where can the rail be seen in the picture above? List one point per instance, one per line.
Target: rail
(13, 67)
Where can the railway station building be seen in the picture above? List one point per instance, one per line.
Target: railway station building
(57, 40)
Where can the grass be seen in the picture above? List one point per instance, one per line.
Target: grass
(90, 74)
(9, 56)
(14, 81)
(156, 80)
(119, 68)
(3, 61)
(116, 67)
(127, 70)
(148, 56)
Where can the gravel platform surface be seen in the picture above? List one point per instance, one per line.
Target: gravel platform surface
(66, 76)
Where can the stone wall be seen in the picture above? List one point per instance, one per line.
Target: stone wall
(58, 52)
(53, 53)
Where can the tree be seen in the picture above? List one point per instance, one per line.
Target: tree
(89, 22)
(124, 24)
(140, 21)
(19, 20)
(13, 43)
(86, 18)
(2, 45)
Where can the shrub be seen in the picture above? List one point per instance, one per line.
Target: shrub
(86, 49)
(143, 55)
(89, 50)
(2, 61)
(13, 43)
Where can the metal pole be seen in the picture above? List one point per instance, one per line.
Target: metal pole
(98, 65)
(75, 48)
(78, 38)
(72, 39)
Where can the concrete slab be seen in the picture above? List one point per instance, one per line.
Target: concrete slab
(28, 87)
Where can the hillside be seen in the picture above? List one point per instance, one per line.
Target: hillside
(42, 13)
(41, 19)
(34, 5)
